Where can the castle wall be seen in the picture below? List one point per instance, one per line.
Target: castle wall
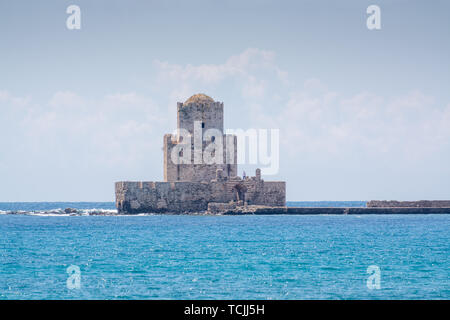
(159, 197)
(202, 171)
(183, 196)
(272, 193)
(169, 168)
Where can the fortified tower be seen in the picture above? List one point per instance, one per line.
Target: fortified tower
(200, 170)
(200, 146)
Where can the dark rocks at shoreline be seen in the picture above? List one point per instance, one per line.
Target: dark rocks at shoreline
(61, 212)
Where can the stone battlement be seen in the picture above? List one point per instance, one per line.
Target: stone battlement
(199, 171)
(186, 196)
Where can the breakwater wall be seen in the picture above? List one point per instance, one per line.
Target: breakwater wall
(409, 204)
(337, 211)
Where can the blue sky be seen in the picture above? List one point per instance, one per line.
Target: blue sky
(362, 114)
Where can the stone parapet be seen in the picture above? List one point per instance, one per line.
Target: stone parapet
(189, 197)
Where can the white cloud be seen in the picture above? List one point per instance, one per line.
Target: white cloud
(118, 130)
(365, 122)
(245, 69)
(120, 135)
(341, 138)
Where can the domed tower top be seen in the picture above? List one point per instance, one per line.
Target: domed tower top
(202, 109)
(199, 98)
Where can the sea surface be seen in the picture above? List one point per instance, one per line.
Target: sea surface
(220, 257)
(86, 207)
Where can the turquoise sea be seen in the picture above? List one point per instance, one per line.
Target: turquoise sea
(220, 257)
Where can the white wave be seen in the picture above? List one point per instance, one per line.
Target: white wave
(48, 214)
(96, 211)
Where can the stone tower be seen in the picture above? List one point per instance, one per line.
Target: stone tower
(197, 184)
(201, 148)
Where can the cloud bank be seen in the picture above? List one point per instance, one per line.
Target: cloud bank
(334, 146)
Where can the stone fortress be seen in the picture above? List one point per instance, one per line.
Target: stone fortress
(193, 183)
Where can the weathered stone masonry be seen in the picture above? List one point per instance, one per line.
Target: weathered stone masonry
(185, 197)
(190, 187)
